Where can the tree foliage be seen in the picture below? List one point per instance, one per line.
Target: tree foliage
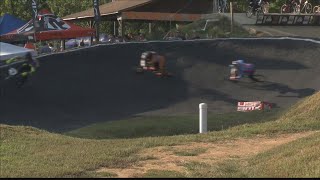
(22, 8)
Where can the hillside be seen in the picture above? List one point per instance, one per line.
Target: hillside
(271, 152)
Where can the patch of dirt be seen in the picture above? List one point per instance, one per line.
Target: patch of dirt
(166, 159)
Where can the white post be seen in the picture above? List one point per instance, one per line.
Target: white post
(203, 117)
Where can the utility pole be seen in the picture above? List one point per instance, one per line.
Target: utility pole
(96, 4)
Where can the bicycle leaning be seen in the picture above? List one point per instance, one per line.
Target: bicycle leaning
(289, 7)
(223, 6)
(253, 11)
(316, 9)
(306, 7)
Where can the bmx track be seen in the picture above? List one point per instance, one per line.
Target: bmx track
(96, 84)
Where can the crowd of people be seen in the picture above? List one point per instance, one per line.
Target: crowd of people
(50, 47)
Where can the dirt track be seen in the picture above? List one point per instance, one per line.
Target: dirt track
(97, 84)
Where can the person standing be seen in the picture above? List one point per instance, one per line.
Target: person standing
(81, 44)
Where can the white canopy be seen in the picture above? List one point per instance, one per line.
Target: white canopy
(8, 51)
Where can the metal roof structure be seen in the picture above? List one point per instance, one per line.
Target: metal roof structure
(111, 8)
(149, 10)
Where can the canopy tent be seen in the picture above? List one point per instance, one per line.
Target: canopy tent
(9, 23)
(51, 28)
(8, 51)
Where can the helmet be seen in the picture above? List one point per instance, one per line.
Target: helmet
(240, 61)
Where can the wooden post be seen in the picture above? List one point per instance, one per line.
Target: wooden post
(231, 13)
(121, 27)
(63, 45)
(150, 28)
(115, 25)
(97, 27)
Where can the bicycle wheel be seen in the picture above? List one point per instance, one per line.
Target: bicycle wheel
(139, 70)
(295, 9)
(259, 78)
(227, 78)
(259, 12)
(308, 8)
(249, 12)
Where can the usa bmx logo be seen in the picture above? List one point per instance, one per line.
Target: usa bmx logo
(52, 22)
(47, 22)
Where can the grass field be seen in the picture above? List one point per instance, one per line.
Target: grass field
(30, 152)
(153, 126)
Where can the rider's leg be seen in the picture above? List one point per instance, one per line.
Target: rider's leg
(156, 66)
(162, 62)
(233, 73)
(22, 80)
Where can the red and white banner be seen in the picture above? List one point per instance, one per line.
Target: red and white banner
(253, 106)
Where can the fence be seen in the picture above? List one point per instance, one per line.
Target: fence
(289, 19)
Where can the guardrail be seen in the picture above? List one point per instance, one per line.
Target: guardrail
(288, 19)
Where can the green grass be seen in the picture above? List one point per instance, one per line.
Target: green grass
(298, 159)
(152, 126)
(219, 29)
(93, 174)
(30, 152)
(160, 174)
(226, 169)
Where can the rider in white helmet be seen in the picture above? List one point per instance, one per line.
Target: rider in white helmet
(239, 68)
(154, 60)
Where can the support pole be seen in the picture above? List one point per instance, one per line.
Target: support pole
(203, 118)
(150, 28)
(115, 33)
(97, 26)
(121, 26)
(63, 45)
(231, 13)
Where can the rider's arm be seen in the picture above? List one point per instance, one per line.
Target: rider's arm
(11, 60)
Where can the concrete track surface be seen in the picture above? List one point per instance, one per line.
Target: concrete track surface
(96, 84)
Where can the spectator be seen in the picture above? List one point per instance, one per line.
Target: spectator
(81, 44)
(45, 48)
(128, 37)
(30, 45)
(222, 6)
(141, 37)
(52, 47)
(111, 38)
(255, 4)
